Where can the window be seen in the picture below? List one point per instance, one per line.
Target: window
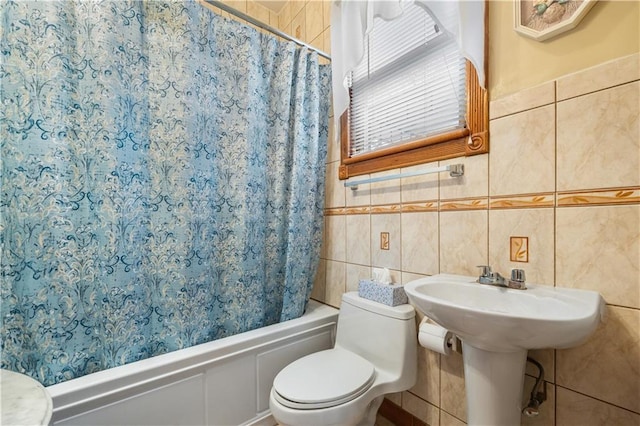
(414, 99)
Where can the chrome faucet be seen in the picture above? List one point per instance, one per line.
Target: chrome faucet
(487, 276)
(517, 281)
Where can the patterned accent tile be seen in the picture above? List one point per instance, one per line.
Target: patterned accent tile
(384, 241)
(600, 198)
(538, 226)
(386, 209)
(335, 211)
(466, 204)
(596, 197)
(357, 210)
(426, 206)
(519, 249)
(522, 202)
(385, 258)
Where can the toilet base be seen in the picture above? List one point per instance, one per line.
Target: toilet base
(353, 413)
(370, 415)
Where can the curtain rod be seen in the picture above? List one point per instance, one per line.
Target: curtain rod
(251, 20)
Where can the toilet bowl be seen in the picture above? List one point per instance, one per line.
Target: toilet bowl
(375, 354)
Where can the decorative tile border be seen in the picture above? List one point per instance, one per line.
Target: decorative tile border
(425, 206)
(595, 197)
(335, 211)
(386, 209)
(464, 204)
(519, 249)
(339, 211)
(523, 202)
(599, 198)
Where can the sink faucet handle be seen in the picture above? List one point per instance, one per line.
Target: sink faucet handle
(517, 279)
(486, 270)
(518, 275)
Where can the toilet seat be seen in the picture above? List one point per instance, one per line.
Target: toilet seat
(323, 379)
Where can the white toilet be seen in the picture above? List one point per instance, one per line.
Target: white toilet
(375, 354)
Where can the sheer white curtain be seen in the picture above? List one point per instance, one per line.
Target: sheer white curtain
(352, 20)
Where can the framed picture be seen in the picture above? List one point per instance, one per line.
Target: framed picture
(543, 19)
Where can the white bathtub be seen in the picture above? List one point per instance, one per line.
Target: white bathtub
(225, 382)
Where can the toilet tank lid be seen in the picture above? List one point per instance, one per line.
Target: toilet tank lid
(403, 312)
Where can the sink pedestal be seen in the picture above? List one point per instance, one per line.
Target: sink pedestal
(493, 382)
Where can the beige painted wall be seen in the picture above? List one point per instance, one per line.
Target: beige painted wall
(610, 30)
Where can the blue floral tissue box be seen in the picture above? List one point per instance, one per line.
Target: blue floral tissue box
(387, 294)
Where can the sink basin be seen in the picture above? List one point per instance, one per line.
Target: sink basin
(497, 327)
(503, 319)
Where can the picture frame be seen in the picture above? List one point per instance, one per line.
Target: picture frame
(544, 19)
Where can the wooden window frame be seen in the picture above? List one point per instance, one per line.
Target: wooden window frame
(472, 140)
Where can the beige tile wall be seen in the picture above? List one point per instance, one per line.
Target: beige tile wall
(564, 171)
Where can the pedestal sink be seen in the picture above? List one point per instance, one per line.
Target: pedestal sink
(498, 326)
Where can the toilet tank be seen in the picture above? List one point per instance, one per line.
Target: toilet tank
(384, 335)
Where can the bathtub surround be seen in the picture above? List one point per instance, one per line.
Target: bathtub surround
(162, 181)
(168, 389)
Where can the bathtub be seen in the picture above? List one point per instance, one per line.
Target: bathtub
(224, 382)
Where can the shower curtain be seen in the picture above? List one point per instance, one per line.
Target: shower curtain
(162, 181)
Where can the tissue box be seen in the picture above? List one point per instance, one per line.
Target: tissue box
(387, 294)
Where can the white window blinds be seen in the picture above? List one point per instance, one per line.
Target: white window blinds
(410, 85)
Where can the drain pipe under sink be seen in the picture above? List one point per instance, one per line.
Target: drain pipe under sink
(537, 397)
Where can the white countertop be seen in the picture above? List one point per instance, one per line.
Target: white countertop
(24, 401)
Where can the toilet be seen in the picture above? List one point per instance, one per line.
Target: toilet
(375, 354)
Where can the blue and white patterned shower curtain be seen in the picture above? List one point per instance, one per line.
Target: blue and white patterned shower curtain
(162, 181)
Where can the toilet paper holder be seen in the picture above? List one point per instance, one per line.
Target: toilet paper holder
(450, 342)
